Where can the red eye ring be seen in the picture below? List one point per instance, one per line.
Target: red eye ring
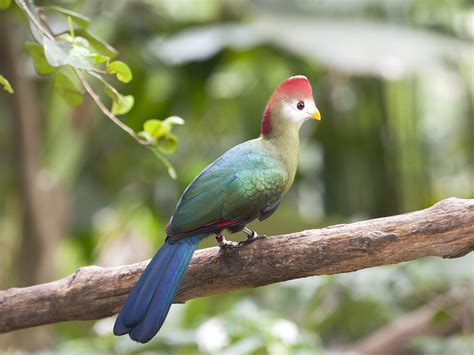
(300, 105)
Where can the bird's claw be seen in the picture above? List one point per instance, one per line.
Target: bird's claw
(228, 244)
(224, 243)
(251, 236)
(252, 239)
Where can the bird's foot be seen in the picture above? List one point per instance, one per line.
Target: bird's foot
(224, 243)
(251, 236)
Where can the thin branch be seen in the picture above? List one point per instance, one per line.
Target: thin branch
(445, 230)
(23, 5)
(99, 77)
(105, 110)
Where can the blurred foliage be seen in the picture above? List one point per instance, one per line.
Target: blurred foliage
(65, 54)
(6, 85)
(394, 82)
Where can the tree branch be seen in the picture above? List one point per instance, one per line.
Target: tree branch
(445, 230)
(393, 338)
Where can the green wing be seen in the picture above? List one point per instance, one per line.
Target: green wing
(237, 186)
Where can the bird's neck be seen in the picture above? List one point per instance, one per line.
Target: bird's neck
(283, 137)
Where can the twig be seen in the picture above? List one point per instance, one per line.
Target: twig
(82, 79)
(101, 79)
(33, 19)
(446, 230)
(105, 110)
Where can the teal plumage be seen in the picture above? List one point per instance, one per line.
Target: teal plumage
(245, 183)
(239, 185)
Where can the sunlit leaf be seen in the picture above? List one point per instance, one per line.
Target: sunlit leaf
(99, 45)
(40, 63)
(121, 70)
(173, 120)
(80, 41)
(120, 104)
(61, 53)
(5, 4)
(121, 107)
(98, 58)
(79, 57)
(56, 52)
(167, 143)
(65, 84)
(81, 20)
(6, 85)
(156, 128)
(81, 48)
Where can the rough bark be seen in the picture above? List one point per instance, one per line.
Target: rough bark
(445, 230)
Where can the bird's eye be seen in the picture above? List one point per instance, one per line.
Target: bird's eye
(300, 105)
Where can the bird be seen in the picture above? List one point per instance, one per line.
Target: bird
(244, 184)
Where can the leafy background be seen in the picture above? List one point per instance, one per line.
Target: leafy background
(394, 83)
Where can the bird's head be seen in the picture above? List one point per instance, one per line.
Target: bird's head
(290, 105)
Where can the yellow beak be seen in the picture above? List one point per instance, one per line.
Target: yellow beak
(316, 115)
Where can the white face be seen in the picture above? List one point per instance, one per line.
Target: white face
(299, 111)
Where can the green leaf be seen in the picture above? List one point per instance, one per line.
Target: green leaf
(81, 20)
(98, 58)
(5, 4)
(40, 63)
(61, 53)
(80, 41)
(79, 57)
(173, 120)
(120, 104)
(159, 133)
(56, 52)
(167, 144)
(65, 84)
(121, 107)
(98, 44)
(122, 71)
(84, 48)
(6, 85)
(156, 128)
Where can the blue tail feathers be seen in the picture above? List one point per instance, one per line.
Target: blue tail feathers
(150, 300)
